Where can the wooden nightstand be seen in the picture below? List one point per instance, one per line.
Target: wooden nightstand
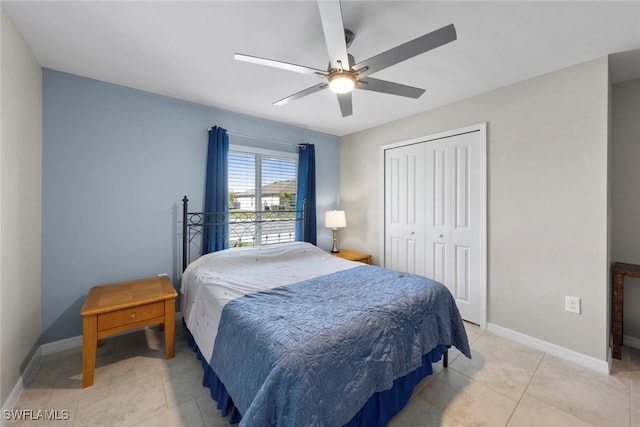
(353, 256)
(117, 307)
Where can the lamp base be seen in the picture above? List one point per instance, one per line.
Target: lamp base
(334, 249)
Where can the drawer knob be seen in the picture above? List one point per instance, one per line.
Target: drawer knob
(133, 315)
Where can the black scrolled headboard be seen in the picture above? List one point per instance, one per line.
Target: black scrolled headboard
(245, 228)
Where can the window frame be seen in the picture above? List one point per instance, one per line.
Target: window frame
(259, 153)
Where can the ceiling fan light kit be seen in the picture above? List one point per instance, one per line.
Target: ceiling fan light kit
(342, 81)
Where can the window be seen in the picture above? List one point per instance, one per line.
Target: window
(262, 197)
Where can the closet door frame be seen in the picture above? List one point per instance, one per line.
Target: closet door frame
(481, 128)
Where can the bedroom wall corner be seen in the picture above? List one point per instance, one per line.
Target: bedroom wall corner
(609, 286)
(20, 209)
(547, 198)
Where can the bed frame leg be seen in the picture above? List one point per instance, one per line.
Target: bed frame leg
(445, 358)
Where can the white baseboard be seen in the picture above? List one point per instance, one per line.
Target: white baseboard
(631, 341)
(10, 403)
(598, 365)
(61, 345)
(43, 350)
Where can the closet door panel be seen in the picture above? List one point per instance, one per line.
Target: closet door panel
(393, 210)
(455, 208)
(404, 208)
(437, 197)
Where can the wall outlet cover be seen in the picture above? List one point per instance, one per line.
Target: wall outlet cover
(572, 304)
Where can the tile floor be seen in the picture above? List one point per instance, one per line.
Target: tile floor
(505, 384)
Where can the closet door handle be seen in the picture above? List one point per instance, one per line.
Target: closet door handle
(441, 236)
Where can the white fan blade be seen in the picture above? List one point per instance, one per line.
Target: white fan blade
(407, 50)
(331, 16)
(279, 64)
(298, 95)
(346, 106)
(377, 85)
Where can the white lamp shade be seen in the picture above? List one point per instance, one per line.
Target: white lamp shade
(335, 219)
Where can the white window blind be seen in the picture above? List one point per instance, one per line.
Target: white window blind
(262, 190)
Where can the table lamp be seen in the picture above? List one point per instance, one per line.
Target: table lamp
(335, 220)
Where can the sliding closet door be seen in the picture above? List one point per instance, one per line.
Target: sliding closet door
(405, 208)
(456, 221)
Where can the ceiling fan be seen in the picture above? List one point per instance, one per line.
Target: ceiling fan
(343, 74)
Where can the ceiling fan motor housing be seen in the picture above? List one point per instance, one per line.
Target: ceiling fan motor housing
(349, 37)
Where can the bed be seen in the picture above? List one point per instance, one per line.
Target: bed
(289, 335)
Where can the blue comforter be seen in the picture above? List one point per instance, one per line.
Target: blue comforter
(312, 353)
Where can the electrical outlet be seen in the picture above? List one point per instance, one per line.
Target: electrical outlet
(572, 304)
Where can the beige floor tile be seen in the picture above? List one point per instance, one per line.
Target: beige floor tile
(502, 377)
(147, 364)
(111, 371)
(533, 412)
(466, 400)
(502, 365)
(187, 414)
(420, 413)
(211, 414)
(141, 341)
(34, 398)
(500, 348)
(115, 368)
(65, 359)
(602, 400)
(620, 366)
(43, 379)
(68, 389)
(473, 332)
(36, 408)
(184, 364)
(124, 405)
(634, 358)
(635, 400)
(629, 363)
(180, 389)
(437, 368)
(454, 353)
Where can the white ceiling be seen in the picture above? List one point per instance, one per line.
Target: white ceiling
(185, 49)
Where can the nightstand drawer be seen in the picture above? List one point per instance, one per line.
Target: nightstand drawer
(130, 315)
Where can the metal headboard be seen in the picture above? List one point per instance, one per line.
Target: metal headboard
(245, 228)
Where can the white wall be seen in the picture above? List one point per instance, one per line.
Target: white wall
(626, 194)
(20, 205)
(547, 199)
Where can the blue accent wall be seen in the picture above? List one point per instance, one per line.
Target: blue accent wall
(116, 164)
